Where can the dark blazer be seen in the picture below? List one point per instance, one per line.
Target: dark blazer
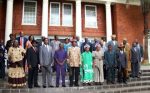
(135, 55)
(121, 60)
(110, 58)
(24, 41)
(9, 44)
(32, 57)
(2, 52)
(141, 50)
(115, 47)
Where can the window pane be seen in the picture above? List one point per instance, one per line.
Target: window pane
(29, 13)
(67, 15)
(54, 14)
(91, 18)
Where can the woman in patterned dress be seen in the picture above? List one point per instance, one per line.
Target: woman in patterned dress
(16, 74)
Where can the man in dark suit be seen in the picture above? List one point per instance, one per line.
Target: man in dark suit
(22, 43)
(140, 47)
(22, 40)
(110, 61)
(10, 42)
(135, 59)
(121, 64)
(33, 62)
(2, 59)
(113, 43)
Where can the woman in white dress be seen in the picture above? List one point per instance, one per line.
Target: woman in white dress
(98, 65)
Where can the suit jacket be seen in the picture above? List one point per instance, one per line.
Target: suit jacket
(24, 41)
(32, 57)
(135, 55)
(121, 60)
(141, 50)
(74, 56)
(2, 52)
(46, 56)
(110, 58)
(115, 47)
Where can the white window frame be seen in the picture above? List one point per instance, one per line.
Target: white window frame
(87, 18)
(50, 14)
(71, 25)
(35, 13)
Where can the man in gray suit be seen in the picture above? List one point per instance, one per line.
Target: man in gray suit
(113, 43)
(46, 61)
(135, 59)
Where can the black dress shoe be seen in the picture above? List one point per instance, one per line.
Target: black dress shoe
(50, 86)
(30, 87)
(44, 86)
(63, 85)
(112, 82)
(70, 85)
(125, 82)
(57, 86)
(37, 86)
(77, 85)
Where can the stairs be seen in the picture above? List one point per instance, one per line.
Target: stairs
(135, 85)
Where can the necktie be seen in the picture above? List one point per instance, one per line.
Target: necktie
(47, 48)
(21, 41)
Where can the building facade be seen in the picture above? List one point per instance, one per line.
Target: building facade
(66, 18)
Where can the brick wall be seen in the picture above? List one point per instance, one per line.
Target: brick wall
(128, 22)
(2, 19)
(17, 19)
(58, 30)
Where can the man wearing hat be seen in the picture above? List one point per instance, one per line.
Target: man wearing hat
(74, 62)
(113, 43)
(33, 62)
(121, 64)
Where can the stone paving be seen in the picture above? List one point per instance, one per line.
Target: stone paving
(138, 85)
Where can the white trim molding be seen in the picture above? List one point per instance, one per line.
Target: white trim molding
(50, 23)
(87, 26)
(69, 25)
(35, 23)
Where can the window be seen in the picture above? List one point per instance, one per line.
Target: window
(54, 14)
(90, 16)
(67, 14)
(29, 12)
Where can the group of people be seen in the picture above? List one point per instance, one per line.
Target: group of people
(89, 63)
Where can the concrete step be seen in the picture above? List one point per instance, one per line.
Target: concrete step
(92, 89)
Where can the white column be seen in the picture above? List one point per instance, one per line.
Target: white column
(45, 18)
(108, 21)
(9, 19)
(78, 19)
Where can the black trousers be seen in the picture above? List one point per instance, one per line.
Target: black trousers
(32, 76)
(122, 76)
(2, 69)
(74, 74)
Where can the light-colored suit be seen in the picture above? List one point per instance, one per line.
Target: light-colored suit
(46, 61)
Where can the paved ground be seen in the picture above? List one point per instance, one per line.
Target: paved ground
(81, 89)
